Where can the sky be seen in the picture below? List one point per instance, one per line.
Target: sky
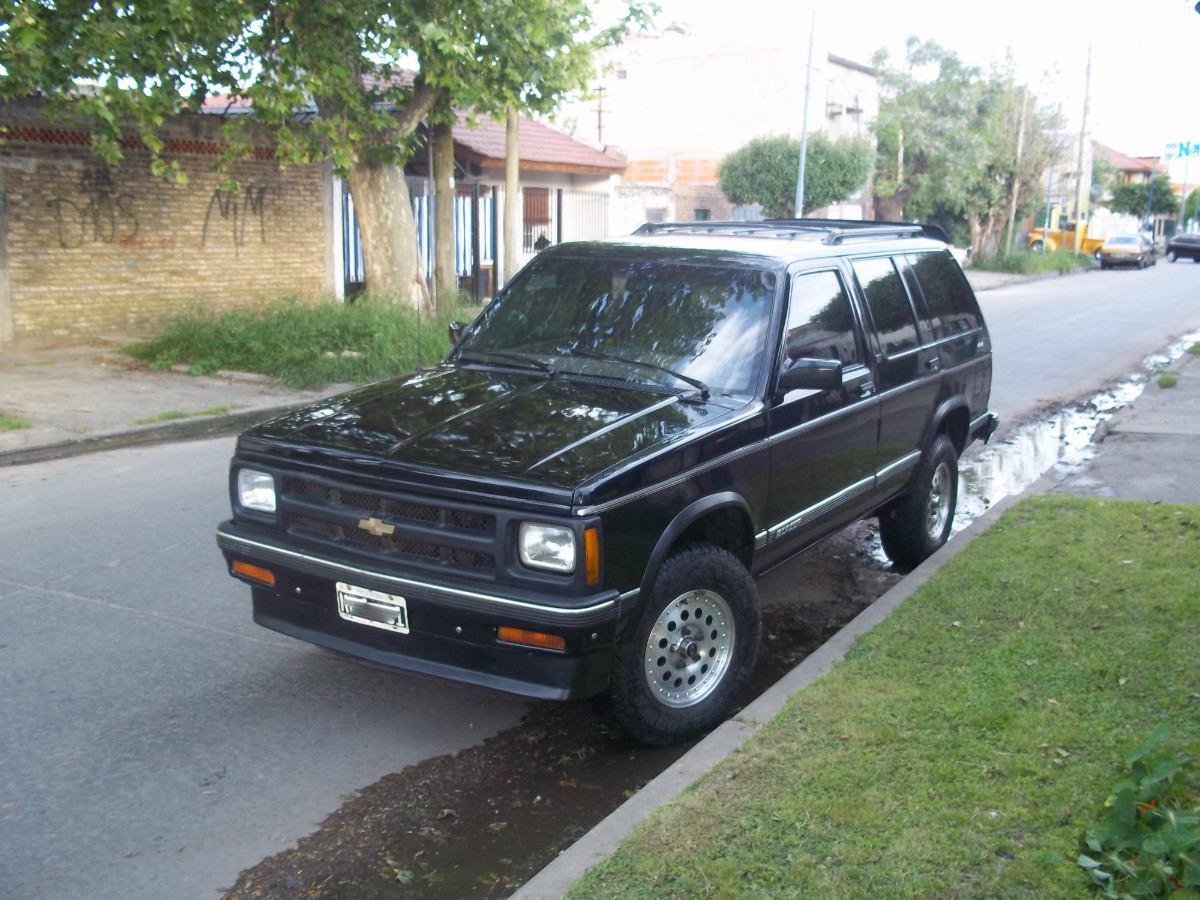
(1144, 89)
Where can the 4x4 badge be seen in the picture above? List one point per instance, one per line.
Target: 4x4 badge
(376, 527)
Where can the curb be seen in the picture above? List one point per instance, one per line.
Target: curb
(1018, 278)
(176, 431)
(603, 839)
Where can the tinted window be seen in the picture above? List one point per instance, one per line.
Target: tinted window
(948, 297)
(888, 302)
(604, 316)
(820, 322)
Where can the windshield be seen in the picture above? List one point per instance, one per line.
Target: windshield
(1123, 240)
(679, 325)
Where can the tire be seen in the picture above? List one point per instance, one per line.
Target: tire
(1096, 254)
(1171, 257)
(1036, 246)
(1103, 265)
(671, 681)
(916, 524)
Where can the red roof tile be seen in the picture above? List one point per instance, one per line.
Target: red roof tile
(540, 147)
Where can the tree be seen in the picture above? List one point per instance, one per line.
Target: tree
(947, 152)
(766, 171)
(1191, 209)
(1133, 199)
(331, 80)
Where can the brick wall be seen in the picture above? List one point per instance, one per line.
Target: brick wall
(98, 250)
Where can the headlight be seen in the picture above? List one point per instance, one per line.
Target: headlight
(547, 547)
(256, 490)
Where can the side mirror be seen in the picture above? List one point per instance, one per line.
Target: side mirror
(458, 331)
(812, 374)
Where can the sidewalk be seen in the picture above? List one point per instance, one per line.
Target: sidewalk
(79, 396)
(1146, 451)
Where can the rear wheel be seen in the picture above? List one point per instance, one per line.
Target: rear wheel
(690, 656)
(1037, 246)
(918, 523)
(1171, 257)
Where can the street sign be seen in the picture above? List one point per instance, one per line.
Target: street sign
(1183, 149)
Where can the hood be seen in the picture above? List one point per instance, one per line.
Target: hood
(494, 423)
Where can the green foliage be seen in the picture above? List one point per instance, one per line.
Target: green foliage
(1026, 262)
(1167, 379)
(1192, 206)
(11, 423)
(347, 61)
(1149, 842)
(947, 136)
(1133, 199)
(766, 171)
(303, 346)
(174, 415)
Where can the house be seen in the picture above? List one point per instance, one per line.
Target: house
(87, 249)
(675, 103)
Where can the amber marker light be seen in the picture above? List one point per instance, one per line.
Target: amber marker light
(531, 638)
(256, 573)
(591, 554)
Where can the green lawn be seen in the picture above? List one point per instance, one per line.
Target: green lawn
(965, 745)
(303, 345)
(1026, 262)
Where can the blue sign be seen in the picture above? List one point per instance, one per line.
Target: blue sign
(1183, 149)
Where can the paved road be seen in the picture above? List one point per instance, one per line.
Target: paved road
(1060, 337)
(154, 742)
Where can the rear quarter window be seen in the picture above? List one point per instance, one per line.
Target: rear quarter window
(949, 300)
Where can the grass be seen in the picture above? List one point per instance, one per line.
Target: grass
(302, 345)
(1167, 379)
(173, 415)
(965, 745)
(1025, 262)
(1194, 349)
(11, 423)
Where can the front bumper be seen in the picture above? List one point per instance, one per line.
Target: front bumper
(453, 629)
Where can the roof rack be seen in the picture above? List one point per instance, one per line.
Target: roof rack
(832, 231)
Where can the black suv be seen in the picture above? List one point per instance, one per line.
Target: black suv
(575, 502)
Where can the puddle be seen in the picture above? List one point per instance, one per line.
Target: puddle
(1061, 441)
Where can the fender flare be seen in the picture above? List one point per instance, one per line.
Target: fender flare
(942, 413)
(683, 520)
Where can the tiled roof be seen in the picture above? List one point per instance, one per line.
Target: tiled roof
(541, 147)
(1124, 163)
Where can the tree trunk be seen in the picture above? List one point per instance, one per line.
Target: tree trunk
(443, 186)
(389, 234)
(512, 193)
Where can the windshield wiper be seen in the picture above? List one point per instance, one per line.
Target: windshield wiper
(592, 354)
(520, 359)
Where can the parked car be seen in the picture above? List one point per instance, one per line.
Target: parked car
(575, 502)
(1127, 250)
(1184, 246)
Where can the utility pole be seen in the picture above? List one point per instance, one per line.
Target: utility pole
(1081, 195)
(799, 206)
(1046, 224)
(600, 91)
(1012, 200)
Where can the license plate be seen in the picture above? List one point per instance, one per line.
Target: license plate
(374, 608)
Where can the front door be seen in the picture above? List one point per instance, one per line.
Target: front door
(823, 442)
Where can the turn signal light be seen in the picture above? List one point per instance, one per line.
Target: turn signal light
(591, 554)
(531, 639)
(256, 573)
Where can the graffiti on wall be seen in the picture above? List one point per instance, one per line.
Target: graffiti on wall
(238, 211)
(100, 216)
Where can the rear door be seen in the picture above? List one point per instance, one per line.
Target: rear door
(907, 368)
(822, 442)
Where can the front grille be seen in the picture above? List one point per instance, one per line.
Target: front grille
(327, 513)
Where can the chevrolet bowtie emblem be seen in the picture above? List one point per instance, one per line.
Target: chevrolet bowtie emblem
(376, 527)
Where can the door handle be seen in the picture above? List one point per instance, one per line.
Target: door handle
(866, 389)
(933, 363)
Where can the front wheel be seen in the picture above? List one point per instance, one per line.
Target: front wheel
(690, 656)
(916, 524)
(1171, 257)
(1037, 246)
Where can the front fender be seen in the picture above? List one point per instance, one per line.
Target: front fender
(684, 520)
